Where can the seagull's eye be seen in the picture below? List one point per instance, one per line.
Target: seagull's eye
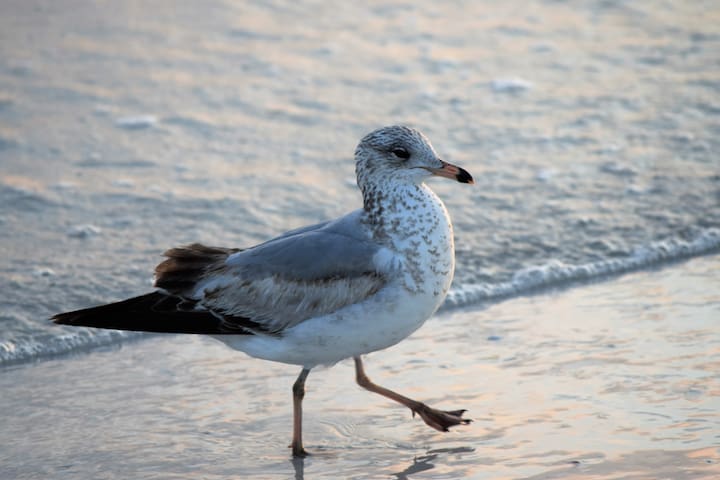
(401, 153)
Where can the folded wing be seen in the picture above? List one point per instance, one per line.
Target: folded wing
(280, 283)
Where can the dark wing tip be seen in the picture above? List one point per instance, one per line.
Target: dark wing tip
(63, 318)
(160, 313)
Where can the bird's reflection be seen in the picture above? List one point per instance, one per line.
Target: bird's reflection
(424, 463)
(298, 464)
(419, 464)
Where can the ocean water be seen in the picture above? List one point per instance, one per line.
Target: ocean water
(592, 129)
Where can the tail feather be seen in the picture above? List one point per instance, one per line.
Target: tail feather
(184, 266)
(152, 312)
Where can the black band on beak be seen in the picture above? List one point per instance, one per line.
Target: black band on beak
(464, 177)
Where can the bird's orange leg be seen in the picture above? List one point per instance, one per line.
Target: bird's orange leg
(298, 394)
(438, 419)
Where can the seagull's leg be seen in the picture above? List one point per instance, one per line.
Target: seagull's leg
(437, 419)
(298, 394)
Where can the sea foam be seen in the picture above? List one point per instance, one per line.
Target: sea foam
(556, 273)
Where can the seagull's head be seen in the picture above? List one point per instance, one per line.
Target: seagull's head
(401, 154)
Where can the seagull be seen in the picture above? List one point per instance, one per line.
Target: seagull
(322, 293)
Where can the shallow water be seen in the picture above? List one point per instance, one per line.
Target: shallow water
(609, 380)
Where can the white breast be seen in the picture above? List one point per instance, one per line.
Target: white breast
(418, 230)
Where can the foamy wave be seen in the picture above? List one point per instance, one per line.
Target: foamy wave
(556, 273)
(28, 349)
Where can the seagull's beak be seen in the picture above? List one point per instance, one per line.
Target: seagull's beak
(448, 170)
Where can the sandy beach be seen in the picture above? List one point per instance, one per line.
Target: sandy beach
(615, 379)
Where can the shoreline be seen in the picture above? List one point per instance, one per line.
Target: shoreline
(602, 379)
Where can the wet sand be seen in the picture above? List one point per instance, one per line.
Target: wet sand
(616, 379)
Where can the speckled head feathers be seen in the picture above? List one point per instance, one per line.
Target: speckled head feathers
(386, 138)
(401, 154)
(394, 152)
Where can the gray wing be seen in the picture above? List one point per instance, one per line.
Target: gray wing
(328, 250)
(302, 274)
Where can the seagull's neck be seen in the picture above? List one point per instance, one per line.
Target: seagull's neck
(411, 220)
(398, 209)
